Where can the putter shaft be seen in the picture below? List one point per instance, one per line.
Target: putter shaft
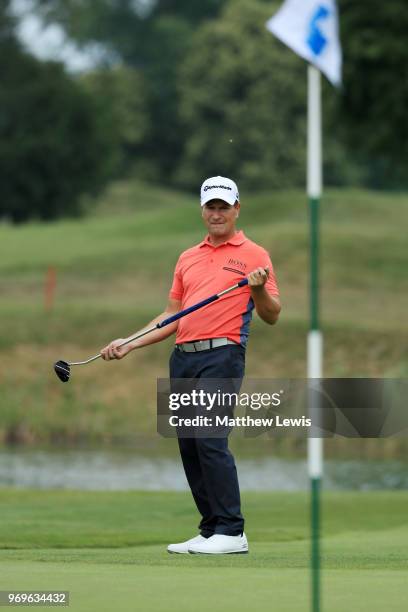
(136, 337)
(168, 320)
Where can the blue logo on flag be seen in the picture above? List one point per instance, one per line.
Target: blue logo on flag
(316, 40)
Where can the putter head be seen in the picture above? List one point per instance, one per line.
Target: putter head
(62, 370)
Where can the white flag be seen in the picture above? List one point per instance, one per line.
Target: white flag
(311, 29)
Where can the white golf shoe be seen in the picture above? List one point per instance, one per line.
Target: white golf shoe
(182, 547)
(220, 544)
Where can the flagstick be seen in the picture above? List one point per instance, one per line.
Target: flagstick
(315, 341)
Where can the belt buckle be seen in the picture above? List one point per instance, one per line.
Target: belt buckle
(200, 344)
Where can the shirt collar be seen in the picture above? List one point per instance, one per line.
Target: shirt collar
(237, 239)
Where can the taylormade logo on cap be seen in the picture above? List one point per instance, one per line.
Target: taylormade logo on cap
(219, 188)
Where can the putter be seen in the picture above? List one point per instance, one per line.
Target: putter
(63, 368)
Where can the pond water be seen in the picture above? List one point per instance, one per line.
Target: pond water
(123, 470)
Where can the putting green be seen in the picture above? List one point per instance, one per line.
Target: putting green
(106, 587)
(109, 550)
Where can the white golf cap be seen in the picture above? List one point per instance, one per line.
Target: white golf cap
(219, 188)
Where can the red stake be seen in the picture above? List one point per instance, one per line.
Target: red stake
(49, 288)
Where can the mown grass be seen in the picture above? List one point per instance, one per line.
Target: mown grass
(114, 270)
(109, 550)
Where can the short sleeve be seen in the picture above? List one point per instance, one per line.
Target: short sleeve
(177, 289)
(271, 284)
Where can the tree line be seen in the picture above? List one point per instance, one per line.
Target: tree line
(189, 89)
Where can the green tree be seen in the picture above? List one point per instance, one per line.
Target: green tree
(51, 148)
(127, 27)
(365, 121)
(372, 107)
(120, 99)
(243, 101)
(152, 37)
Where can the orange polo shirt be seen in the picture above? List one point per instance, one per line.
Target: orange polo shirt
(204, 270)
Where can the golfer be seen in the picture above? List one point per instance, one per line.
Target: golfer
(211, 343)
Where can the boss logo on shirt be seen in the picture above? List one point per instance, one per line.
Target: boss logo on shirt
(238, 264)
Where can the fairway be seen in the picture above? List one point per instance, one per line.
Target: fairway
(109, 550)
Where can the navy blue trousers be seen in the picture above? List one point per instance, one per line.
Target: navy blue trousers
(208, 463)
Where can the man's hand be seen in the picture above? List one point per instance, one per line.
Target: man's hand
(267, 306)
(112, 350)
(257, 278)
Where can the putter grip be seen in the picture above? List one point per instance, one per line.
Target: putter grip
(209, 300)
(182, 313)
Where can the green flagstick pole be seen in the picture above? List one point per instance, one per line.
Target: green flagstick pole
(315, 343)
(299, 29)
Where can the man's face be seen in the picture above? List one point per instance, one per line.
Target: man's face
(219, 217)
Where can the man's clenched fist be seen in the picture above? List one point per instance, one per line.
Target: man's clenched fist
(257, 278)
